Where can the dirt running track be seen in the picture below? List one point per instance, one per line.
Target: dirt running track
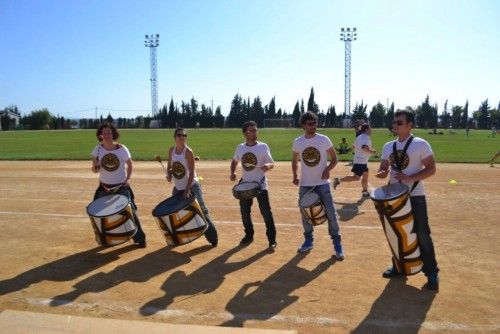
(50, 263)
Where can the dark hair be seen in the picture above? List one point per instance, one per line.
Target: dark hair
(410, 117)
(246, 125)
(308, 116)
(177, 130)
(107, 125)
(364, 127)
(343, 138)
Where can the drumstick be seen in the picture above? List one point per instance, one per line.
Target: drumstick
(157, 158)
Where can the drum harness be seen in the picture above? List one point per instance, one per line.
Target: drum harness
(398, 164)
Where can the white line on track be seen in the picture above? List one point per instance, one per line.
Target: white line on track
(199, 316)
(228, 222)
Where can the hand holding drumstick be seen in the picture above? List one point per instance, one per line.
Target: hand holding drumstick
(167, 173)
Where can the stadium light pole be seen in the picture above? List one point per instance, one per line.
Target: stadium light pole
(152, 42)
(347, 36)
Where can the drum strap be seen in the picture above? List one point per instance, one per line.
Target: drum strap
(398, 163)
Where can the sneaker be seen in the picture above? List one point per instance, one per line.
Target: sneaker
(336, 182)
(339, 253)
(365, 193)
(141, 244)
(214, 243)
(432, 283)
(247, 240)
(273, 245)
(391, 272)
(306, 246)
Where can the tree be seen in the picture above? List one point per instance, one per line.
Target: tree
(445, 117)
(456, 114)
(482, 115)
(465, 115)
(5, 122)
(331, 117)
(38, 120)
(389, 116)
(258, 111)
(218, 118)
(359, 112)
(377, 115)
(311, 104)
(296, 114)
(302, 109)
(271, 112)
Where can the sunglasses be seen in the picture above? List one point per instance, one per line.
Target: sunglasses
(181, 135)
(311, 123)
(399, 122)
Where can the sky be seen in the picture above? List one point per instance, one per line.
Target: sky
(79, 57)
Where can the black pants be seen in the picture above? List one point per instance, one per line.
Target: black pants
(265, 210)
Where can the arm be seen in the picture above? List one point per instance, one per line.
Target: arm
(428, 170)
(295, 166)
(383, 170)
(368, 149)
(95, 165)
(169, 165)
(269, 161)
(331, 165)
(190, 162)
(129, 169)
(232, 176)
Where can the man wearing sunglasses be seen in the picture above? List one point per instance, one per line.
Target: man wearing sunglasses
(314, 149)
(411, 164)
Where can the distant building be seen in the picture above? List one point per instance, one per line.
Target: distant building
(14, 118)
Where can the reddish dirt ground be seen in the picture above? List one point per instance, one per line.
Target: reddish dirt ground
(50, 262)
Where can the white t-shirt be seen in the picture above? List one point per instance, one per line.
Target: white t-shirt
(313, 158)
(180, 170)
(251, 157)
(418, 150)
(113, 168)
(360, 155)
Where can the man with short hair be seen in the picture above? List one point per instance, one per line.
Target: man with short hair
(314, 149)
(255, 160)
(411, 160)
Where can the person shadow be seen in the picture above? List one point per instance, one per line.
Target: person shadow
(400, 308)
(139, 270)
(350, 210)
(64, 269)
(205, 279)
(261, 300)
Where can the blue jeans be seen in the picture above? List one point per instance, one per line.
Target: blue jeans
(265, 210)
(325, 195)
(423, 231)
(139, 236)
(211, 232)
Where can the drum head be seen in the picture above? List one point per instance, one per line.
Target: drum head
(308, 200)
(171, 205)
(243, 186)
(389, 192)
(107, 205)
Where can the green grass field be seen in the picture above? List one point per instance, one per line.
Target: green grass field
(219, 144)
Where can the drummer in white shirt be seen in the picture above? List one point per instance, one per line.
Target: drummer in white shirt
(256, 160)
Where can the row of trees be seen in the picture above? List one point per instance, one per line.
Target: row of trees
(191, 114)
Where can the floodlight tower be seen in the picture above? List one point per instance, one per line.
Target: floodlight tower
(152, 42)
(347, 35)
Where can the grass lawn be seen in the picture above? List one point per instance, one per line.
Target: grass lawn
(219, 144)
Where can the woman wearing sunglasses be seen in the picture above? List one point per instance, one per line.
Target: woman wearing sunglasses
(181, 168)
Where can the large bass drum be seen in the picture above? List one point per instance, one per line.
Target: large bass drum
(394, 209)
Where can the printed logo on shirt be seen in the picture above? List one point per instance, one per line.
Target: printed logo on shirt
(404, 158)
(311, 156)
(110, 162)
(178, 170)
(249, 161)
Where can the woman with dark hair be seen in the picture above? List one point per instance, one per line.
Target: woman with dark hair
(181, 167)
(113, 162)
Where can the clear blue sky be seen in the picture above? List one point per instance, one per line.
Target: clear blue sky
(70, 56)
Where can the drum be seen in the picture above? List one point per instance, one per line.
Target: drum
(112, 219)
(180, 220)
(394, 209)
(313, 209)
(246, 190)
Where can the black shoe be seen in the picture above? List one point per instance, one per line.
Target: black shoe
(247, 240)
(141, 244)
(273, 245)
(214, 243)
(432, 283)
(391, 272)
